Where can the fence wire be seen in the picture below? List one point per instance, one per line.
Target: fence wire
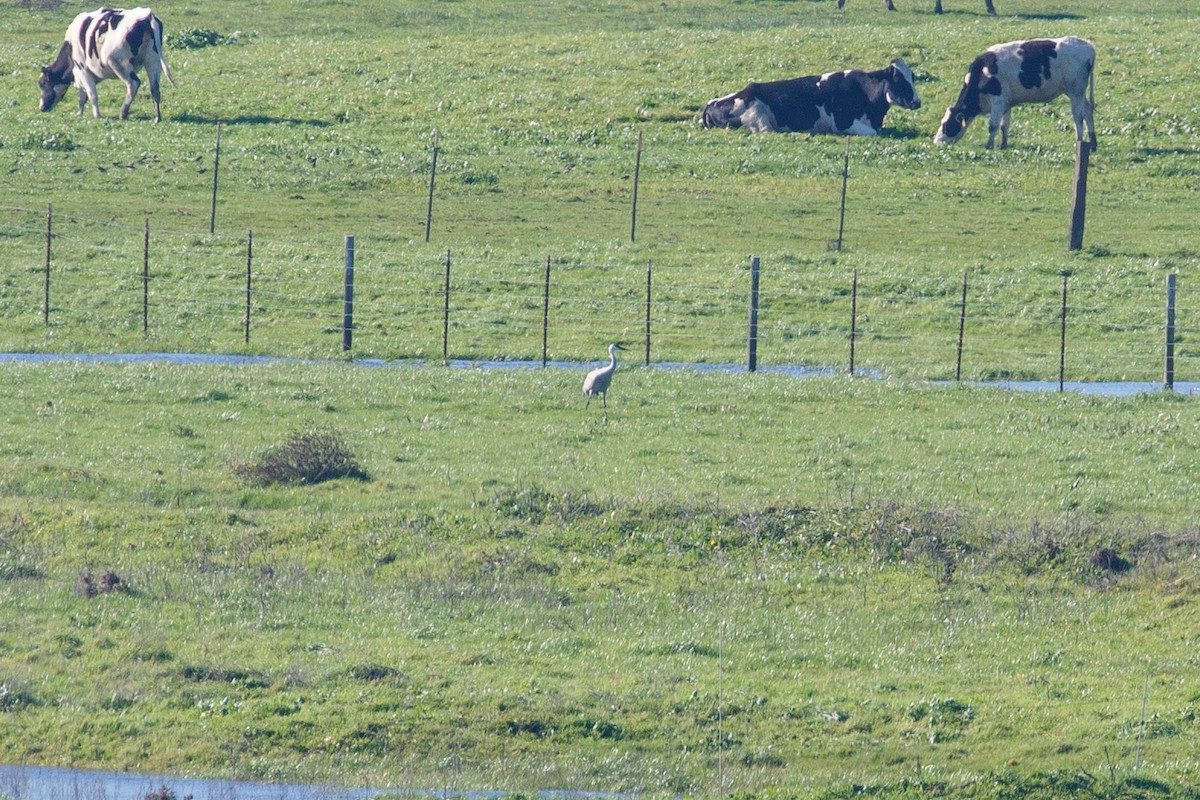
(176, 290)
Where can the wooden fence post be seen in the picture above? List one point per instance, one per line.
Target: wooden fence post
(649, 272)
(1169, 361)
(146, 281)
(546, 312)
(348, 297)
(1062, 345)
(637, 171)
(212, 218)
(845, 180)
(962, 324)
(1079, 195)
(249, 257)
(46, 290)
(853, 318)
(754, 271)
(432, 177)
(446, 314)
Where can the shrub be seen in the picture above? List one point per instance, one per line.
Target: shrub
(307, 457)
(197, 38)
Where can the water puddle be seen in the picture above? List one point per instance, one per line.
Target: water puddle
(63, 783)
(58, 783)
(1099, 388)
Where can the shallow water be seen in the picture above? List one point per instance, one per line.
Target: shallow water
(63, 783)
(1100, 388)
(57, 783)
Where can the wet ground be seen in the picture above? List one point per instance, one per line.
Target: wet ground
(1102, 388)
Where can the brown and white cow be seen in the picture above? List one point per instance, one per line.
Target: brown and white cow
(937, 6)
(850, 102)
(1033, 71)
(107, 43)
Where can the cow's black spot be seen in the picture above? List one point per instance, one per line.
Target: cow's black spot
(1035, 61)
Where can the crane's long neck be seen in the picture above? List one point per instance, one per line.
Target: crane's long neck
(612, 358)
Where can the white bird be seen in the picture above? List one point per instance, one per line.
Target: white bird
(597, 381)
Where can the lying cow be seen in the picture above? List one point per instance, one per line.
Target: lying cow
(1035, 71)
(847, 102)
(937, 6)
(107, 43)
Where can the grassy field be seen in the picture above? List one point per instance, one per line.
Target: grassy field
(327, 131)
(726, 584)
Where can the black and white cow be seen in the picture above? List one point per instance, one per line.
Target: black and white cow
(107, 43)
(937, 6)
(848, 102)
(1034, 71)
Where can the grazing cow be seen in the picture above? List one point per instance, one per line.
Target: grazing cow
(107, 43)
(1035, 71)
(847, 102)
(937, 6)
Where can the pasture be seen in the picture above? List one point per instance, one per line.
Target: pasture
(538, 124)
(728, 583)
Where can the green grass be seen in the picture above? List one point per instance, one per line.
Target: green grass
(328, 132)
(729, 583)
(738, 581)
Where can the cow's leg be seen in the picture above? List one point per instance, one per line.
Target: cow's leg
(890, 5)
(1004, 123)
(991, 9)
(131, 89)
(87, 91)
(1081, 111)
(154, 95)
(841, 3)
(937, 6)
(994, 125)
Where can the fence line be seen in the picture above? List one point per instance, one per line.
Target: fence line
(500, 308)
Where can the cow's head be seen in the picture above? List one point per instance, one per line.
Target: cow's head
(979, 86)
(55, 78)
(53, 87)
(901, 89)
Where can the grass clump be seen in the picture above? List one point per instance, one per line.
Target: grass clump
(307, 457)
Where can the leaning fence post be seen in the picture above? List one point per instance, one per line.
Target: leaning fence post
(1062, 345)
(637, 171)
(962, 324)
(1079, 195)
(432, 177)
(853, 317)
(348, 297)
(146, 281)
(754, 270)
(249, 257)
(546, 312)
(212, 218)
(845, 180)
(1169, 361)
(46, 291)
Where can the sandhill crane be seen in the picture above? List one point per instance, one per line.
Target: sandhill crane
(597, 381)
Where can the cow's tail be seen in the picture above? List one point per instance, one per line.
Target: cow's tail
(1092, 87)
(156, 27)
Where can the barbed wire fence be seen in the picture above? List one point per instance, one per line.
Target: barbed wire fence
(288, 297)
